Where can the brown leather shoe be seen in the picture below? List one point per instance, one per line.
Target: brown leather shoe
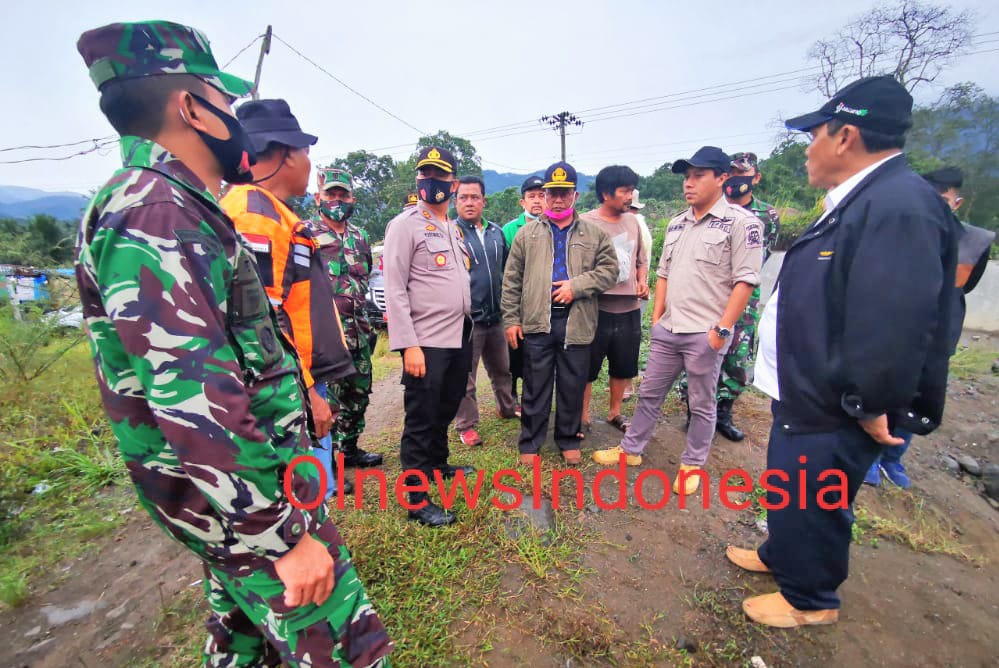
(572, 457)
(747, 560)
(774, 610)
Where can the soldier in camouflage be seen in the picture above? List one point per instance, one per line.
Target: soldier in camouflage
(203, 393)
(346, 251)
(738, 362)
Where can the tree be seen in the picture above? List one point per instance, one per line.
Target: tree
(912, 41)
(785, 181)
(504, 206)
(662, 184)
(372, 175)
(962, 130)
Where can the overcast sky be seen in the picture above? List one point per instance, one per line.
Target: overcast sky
(463, 67)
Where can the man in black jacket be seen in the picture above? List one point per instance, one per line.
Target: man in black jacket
(854, 343)
(487, 253)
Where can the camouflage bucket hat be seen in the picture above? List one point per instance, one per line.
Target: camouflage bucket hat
(149, 48)
(331, 177)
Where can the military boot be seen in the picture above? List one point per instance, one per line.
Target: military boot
(431, 514)
(724, 425)
(354, 456)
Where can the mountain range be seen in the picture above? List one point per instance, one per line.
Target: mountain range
(497, 181)
(18, 202)
(21, 203)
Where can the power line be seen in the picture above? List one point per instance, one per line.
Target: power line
(50, 146)
(347, 86)
(241, 51)
(98, 146)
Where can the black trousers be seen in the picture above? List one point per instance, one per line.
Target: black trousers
(809, 550)
(431, 403)
(549, 363)
(516, 366)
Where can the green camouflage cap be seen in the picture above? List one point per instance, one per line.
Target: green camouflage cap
(331, 177)
(147, 48)
(745, 161)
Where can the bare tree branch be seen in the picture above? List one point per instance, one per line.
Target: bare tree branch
(910, 40)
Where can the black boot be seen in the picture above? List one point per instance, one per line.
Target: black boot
(354, 456)
(431, 514)
(347, 485)
(448, 471)
(724, 425)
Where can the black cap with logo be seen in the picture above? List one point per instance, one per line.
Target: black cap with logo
(531, 183)
(437, 157)
(271, 122)
(707, 157)
(880, 103)
(560, 175)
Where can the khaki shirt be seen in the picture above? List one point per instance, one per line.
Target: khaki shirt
(703, 260)
(427, 290)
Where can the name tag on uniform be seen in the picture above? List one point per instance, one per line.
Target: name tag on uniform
(723, 224)
(302, 254)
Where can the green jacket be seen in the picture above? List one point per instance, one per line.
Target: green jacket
(510, 229)
(527, 281)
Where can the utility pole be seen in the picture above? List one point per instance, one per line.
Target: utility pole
(558, 122)
(265, 48)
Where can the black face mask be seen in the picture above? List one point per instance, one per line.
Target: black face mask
(235, 154)
(738, 186)
(434, 191)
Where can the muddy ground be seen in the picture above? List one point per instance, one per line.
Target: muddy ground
(654, 577)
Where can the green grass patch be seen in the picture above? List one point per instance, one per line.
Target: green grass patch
(971, 361)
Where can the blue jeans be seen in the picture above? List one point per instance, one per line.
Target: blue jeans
(893, 453)
(324, 451)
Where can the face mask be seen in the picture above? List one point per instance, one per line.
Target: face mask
(434, 191)
(235, 154)
(558, 217)
(528, 216)
(337, 211)
(738, 186)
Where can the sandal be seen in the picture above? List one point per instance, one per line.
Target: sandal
(581, 434)
(618, 422)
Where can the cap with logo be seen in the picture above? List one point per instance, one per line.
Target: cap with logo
(560, 175)
(332, 177)
(151, 48)
(412, 199)
(745, 161)
(271, 122)
(436, 157)
(532, 182)
(879, 103)
(706, 157)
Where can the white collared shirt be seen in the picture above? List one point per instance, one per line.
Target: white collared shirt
(765, 369)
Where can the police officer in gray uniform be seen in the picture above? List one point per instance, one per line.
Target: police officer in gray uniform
(428, 300)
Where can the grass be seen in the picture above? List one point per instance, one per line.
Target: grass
(971, 361)
(909, 521)
(58, 471)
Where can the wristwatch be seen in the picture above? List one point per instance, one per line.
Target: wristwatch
(723, 332)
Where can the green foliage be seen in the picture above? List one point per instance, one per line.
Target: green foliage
(962, 130)
(504, 206)
(794, 221)
(662, 185)
(29, 346)
(785, 179)
(42, 241)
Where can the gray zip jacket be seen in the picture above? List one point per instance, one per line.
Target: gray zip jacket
(527, 281)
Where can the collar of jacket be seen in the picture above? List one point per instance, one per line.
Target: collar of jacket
(147, 154)
(543, 221)
(471, 228)
(895, 163)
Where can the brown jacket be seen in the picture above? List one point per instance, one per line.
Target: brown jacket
(527, 281)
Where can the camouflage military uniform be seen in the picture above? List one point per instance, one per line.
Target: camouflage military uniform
(348, 257)
(202, 392)
(738, 360)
